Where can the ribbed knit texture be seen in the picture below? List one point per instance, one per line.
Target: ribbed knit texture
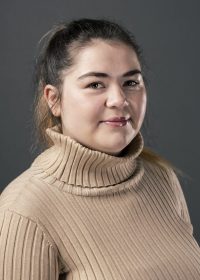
(82, 214)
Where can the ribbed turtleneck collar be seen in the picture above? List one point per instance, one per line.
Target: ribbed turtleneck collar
(80, 170)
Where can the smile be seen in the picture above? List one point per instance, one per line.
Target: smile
(116, 124)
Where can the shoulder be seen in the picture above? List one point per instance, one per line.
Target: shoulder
(24, 195)
(14, 189)
(152, 168)
(165, 181)
(24, 201)
(159, 166)
(162, 177)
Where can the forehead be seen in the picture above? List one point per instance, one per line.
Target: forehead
(103, 55)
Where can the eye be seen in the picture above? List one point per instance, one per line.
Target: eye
(95, 85)
(131, 83)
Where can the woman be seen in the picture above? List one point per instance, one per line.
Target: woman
(95, 204)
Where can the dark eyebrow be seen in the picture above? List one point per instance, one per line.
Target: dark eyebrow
(99, 74)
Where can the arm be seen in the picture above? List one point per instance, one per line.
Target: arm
(25, 253)
(181, 204)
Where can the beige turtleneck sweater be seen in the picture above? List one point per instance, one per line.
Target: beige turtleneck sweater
(81, 214)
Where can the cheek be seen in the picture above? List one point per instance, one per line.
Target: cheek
(140, 101)
(143, 103)
(82, 108)
(138, 105)
(93, 111)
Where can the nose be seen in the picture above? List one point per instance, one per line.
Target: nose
(116, 98)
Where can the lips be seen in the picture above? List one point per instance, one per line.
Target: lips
(117, 119)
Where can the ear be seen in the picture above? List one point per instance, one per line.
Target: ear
(51, 95)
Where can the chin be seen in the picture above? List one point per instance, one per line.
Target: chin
(109, 149)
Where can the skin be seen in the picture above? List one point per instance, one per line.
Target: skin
(89, 100)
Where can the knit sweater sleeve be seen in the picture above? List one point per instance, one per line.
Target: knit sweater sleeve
(180, 201)
(25, 253)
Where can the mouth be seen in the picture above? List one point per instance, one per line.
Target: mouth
(116, 123)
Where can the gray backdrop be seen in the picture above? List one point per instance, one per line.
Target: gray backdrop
(168, 32)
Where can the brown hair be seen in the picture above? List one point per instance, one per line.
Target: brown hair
(56, 54)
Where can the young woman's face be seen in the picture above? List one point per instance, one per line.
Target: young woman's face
(105, 82)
